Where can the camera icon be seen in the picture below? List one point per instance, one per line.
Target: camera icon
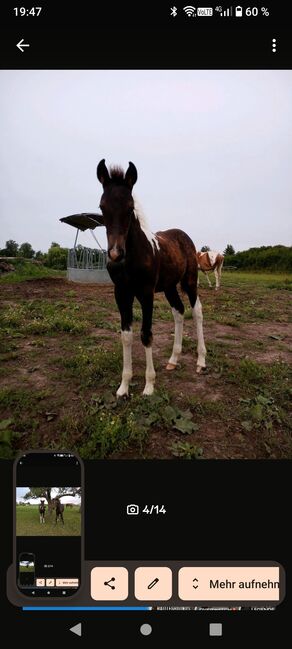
(132, 510)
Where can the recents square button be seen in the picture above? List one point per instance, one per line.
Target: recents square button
(215, 629)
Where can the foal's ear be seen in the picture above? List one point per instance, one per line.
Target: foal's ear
(131, 175)
(102, 173)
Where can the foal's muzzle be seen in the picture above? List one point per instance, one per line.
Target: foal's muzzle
(116, 254)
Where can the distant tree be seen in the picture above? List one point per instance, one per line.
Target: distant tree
(55, 245)
(39, 255)
(229, 250)
(11, 248)
(57, 257)
(205, 249)
(46, 493)
(26, 250)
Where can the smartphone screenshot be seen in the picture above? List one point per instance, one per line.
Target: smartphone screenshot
(145, 323)
(48, 524)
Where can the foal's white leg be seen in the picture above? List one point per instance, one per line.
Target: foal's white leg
(127, 341)
(219, 273)
(208, 280)
(150, 373)
(178, 333)
(217, 278)
(198, 319)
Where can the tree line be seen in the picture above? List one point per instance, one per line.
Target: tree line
(55, 257)
(271, 258)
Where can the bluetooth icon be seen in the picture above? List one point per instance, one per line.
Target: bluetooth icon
(173, 11)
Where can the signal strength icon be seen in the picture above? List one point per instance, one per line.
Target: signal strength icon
(190, 11)
(226, 12)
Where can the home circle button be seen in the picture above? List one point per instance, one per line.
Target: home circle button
(146, 629)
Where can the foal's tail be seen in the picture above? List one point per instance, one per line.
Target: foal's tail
(221, 262)
(220, 265)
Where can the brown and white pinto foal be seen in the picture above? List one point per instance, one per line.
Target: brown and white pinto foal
(141, 264)
(42, 511)
(208, 261)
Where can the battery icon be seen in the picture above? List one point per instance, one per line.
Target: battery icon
(238, 12)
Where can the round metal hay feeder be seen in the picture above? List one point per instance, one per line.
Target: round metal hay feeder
(87, 265)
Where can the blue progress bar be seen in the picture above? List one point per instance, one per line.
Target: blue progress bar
(86, 608)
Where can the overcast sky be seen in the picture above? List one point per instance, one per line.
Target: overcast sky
(213, 151)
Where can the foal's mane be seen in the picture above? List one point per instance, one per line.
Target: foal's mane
(117, 175)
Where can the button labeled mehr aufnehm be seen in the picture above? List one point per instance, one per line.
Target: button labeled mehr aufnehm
(229, 583)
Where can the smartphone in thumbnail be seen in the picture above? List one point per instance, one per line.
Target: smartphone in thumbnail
(48, 522)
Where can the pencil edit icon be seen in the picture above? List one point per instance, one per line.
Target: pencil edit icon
(153, 583)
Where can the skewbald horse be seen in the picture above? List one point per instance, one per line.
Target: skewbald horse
(208, 261)
(140, 264)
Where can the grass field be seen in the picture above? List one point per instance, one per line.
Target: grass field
(25, 270)
(61, 362)
(28, 522)
(30, 568)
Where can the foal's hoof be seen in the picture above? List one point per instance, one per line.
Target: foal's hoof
(170, 366)
(200, 369)
(122, 395)
(148, 390)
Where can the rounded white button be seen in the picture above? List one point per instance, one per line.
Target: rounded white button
(146, 629)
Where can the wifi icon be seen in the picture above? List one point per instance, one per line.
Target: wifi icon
(190, 11)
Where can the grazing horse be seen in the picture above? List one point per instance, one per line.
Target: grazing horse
(208, 261)
(59, 507)
(140, 264)
(42, 510)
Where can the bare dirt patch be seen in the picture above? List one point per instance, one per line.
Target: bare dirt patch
(53, 383)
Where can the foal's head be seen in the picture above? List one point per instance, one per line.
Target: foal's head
(117, 205)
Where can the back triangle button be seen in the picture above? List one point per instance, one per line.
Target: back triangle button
(76, 629)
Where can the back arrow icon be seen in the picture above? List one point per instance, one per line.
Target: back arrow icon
(22, 44)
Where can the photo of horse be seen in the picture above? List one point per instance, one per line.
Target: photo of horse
(48, 511)
(145, 266)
